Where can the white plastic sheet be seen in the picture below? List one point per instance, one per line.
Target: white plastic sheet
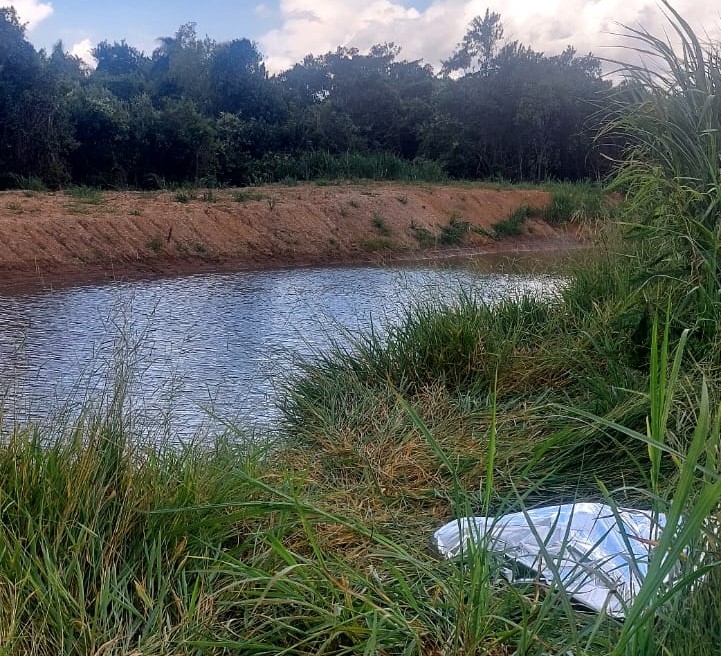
(598, 555)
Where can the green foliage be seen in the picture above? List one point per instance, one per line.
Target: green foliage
(325, 166)
(378, 244)
(454, 232)
(479, 48)
(114, 542)
(511, 226)
(30, 183)
(379, 224)
(162, 548)
(670, 174)
(196, 109)
(185, 195)
(155, 244)
(85, 195)
(107, 541)
(576, 203)
(425, 238)
(245, 196)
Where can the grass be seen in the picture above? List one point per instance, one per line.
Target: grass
(155, 244)
(512, 225)
(379, 225)
(576, 203)
(246, 196)
(185, 195)
(327, 168)
(317, 543)
(115, 542)
(376, 244)
(424, 237)
(29, 183)
(85, 195)
(608, 390)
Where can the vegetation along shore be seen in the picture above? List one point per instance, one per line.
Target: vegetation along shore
(313, 540)
(83, 231)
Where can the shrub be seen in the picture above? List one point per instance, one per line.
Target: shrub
(454, 232)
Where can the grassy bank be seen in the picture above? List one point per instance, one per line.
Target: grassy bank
(317, 543)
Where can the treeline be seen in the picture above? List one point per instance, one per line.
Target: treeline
(200, 111)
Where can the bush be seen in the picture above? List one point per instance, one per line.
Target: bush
(511, 226)
(454, 232)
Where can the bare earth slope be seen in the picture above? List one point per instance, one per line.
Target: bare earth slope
(118, 233)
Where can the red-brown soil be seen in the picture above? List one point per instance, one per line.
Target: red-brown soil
(119, 234)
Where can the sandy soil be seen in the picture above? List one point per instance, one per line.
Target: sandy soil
(60, 236)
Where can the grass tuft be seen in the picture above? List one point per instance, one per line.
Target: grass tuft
(85, 195)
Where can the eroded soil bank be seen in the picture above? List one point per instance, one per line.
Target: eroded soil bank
(93, 235)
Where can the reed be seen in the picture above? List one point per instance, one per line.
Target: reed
(670, 115)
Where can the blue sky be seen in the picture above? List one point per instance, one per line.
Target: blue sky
(141, 22)
(286, 30)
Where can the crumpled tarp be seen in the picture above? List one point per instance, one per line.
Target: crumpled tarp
(597, 554)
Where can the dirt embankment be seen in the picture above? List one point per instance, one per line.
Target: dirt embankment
(114, 234)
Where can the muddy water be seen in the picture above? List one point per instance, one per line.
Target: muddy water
(209, 350)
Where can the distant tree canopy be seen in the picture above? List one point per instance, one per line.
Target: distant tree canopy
(198, 110)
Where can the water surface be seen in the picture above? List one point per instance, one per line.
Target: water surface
(208, 349)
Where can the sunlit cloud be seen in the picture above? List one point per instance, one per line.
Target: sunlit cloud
(31, 12)
(431, 34)
(83, 50)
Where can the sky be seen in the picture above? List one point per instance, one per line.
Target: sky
(287, 30)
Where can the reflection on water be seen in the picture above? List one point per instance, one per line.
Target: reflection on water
(224, 342)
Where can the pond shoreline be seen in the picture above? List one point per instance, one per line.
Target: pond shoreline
(15, 282)
(67, 238)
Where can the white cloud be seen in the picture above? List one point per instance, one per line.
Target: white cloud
(319, 26)
(83, 50)
(32, 12)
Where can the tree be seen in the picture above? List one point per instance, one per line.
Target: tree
(368, 100)
(528, 117)
(65, 66)
(34, 131)
(122, 69)
(479, 46)
(239, 82)
(180, 66)
(118, 58)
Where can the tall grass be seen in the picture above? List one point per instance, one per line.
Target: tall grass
(113, 547)
(670, 171)
(104, 548)
(576, 203)
(321, 165)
